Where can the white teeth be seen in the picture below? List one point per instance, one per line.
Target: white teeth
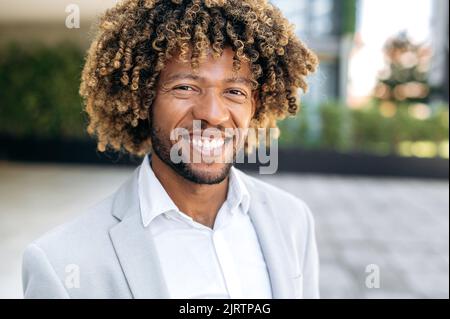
(208, 145)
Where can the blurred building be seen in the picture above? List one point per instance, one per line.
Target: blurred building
(325, 26)
(439, 70)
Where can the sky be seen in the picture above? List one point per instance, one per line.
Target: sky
(379, 20)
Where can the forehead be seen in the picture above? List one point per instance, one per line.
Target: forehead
(210, 68)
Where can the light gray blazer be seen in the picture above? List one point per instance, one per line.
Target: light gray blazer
(107, 252)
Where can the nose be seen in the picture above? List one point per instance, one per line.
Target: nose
(211, 109)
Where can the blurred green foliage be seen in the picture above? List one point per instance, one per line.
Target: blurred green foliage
(365, 129)
(39, 91)
(349, 8)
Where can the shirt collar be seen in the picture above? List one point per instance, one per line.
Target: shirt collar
(238, 194)
(153, 198)
(150, 188)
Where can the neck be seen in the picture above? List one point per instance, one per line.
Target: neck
(199, 201)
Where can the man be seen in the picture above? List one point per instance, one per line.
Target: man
(195, 227)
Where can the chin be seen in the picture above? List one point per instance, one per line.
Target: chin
(204, 173)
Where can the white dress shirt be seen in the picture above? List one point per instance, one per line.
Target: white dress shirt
(197, 261)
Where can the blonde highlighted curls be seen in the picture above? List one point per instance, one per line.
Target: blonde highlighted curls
(137, 37)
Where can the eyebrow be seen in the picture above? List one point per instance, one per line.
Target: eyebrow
(179, 76)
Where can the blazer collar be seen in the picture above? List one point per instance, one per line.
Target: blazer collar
(134, 245)
(276, 254)
(136, 251)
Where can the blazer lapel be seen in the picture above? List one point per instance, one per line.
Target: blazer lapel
(269, 233)
(134, 245)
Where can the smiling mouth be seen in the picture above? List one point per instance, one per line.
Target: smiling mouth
(208, 147)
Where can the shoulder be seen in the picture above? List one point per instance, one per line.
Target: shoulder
(79, 249)
(80, 241)
(90, 224)
(295, 220)
(91, 227)
(288, 208)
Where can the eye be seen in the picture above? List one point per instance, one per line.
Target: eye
(184, 88)
(237, 92)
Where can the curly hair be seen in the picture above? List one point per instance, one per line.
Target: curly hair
(136, 38)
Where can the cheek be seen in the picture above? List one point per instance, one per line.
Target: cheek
(158, 116)
(167, 112)
(242, 116)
